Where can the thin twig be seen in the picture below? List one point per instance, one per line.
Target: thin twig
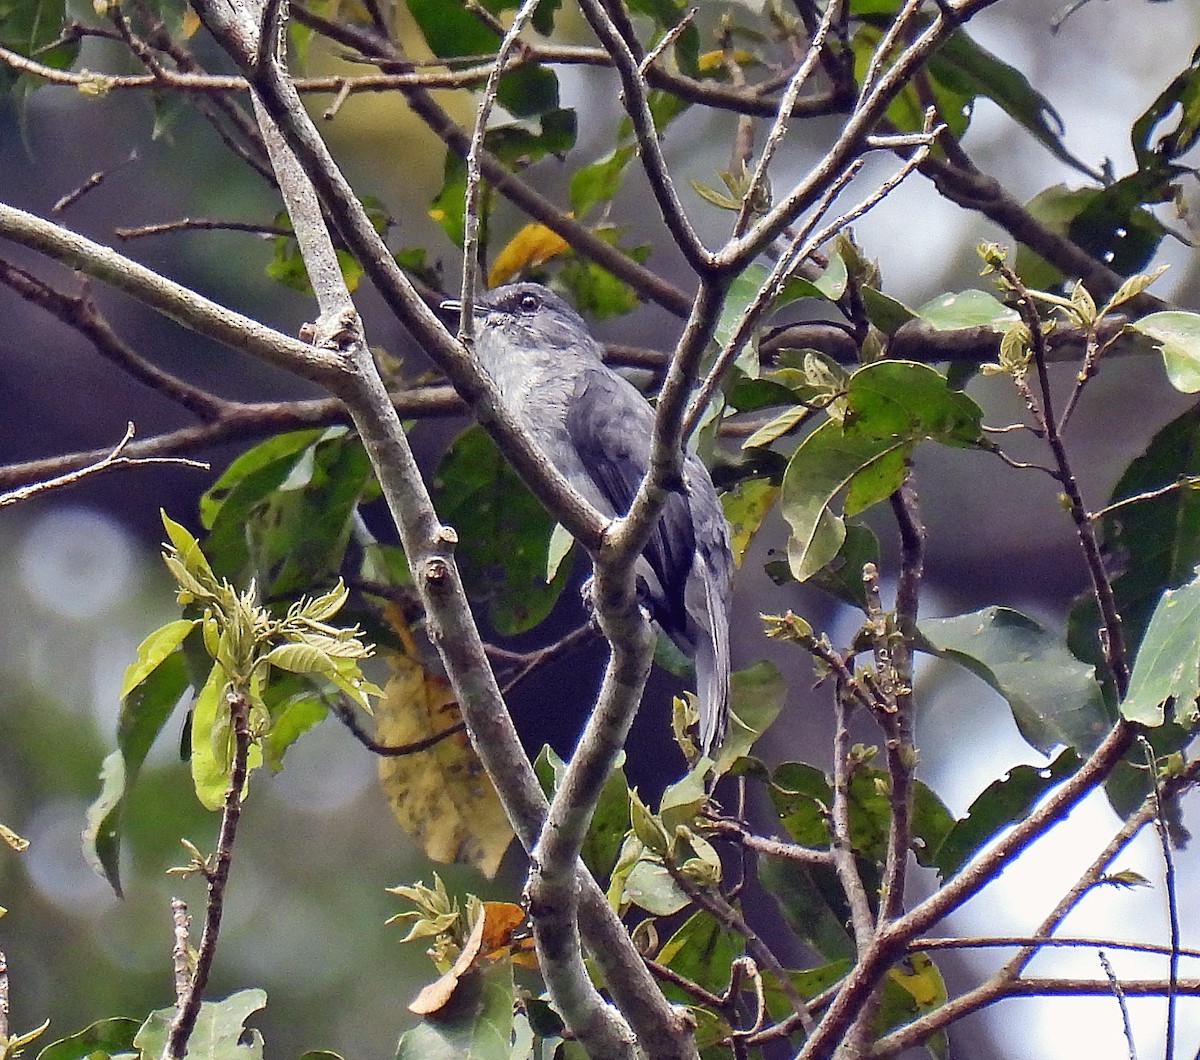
(202, 224)
(1183, 482)
(738, 832)
(729, 917)
(900, 741)
(348, 716)
(471, 219)
(635, 96)
(218, 879)
(1164, 838)
(782, 119)
(181, 956)
(1007, 981)
(899, 25)
(1060, 941)
(1113, 633)
(668, 38)
(238, 423)
(920, 1029)
(94, 181)
(113, 459)
(3, 997)
(861, 919)
(80, 312)
(1119, 994)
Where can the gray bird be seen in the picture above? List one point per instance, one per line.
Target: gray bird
(595, 427)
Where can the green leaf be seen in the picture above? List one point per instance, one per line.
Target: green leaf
(1180, 101)
(650, 887)
(1054, 698)
(906, 110)
(528, 91)
(842, 576)
(702, 951)
(451, 30)
(104, 1039)
(287, 266)
(220, 1032)
(600, 181)
(144, 712)
(1168, 662)
(283, 516)
(188, 549)
(884, 311)
(822, 466)
(891, 406)
(503, 533)
(968, 69)
(251, 477)
(1176, 336)
(610, 820)
(596, 291)
(750, 281)
(27, 27)
(1003, 803)
(153, 651)
(516, 145)
(912, 400)
(746, 506)
(802, 797)
(476, 1023)
(1114, 225)
(913, 987)
(288, 724)
(1159, 538)
(811, 903)
(1055, 207)
(932, 823)
(967, 309)
(756, 695)
(211, 741)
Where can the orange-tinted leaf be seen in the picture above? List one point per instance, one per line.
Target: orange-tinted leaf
(501, 919)
(532, 245)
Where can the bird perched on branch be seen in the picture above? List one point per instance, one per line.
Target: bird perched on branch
(595, 427)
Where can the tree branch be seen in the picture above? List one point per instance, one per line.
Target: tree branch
(218, 879)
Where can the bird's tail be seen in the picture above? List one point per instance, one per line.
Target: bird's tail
(712, 669)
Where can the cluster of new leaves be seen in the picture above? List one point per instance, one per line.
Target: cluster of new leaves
(227, 645)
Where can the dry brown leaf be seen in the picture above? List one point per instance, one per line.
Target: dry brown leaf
(437, 994)
(441, 796)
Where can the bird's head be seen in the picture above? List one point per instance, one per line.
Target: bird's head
(527, 316)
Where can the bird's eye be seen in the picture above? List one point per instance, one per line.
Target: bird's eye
(529, 302)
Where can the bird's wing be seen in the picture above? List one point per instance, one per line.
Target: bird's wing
(610, 425)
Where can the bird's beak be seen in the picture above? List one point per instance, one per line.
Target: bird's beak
(454, 305)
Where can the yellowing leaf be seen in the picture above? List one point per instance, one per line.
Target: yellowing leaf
(532, 245)
(440, 795)
(11, 839)
(713, 60)
(919, 977)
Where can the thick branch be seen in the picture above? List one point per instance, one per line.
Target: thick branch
(173, 300)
